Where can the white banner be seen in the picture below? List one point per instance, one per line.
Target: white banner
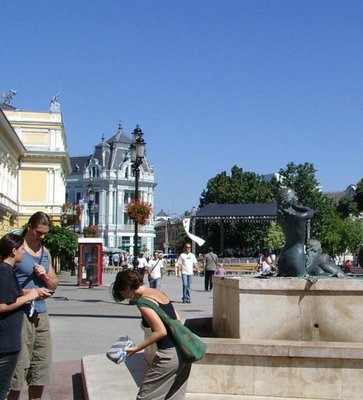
(196, 239)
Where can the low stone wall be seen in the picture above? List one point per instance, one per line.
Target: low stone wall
(280, 369)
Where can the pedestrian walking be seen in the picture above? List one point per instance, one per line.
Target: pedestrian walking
(210, 266)
(142, 264)
(184, 268)
(154, 270)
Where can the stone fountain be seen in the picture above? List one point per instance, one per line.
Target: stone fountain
(295, 336)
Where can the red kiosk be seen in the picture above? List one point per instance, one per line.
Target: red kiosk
(90, 261)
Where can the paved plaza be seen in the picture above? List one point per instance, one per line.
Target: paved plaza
(87, 321)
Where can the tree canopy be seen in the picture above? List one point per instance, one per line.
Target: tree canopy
(61, 242)
(237, 188)
(331, 224)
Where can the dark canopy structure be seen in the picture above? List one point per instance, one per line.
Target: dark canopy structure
(258, 213)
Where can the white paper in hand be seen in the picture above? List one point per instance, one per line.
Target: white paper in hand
(116, 352)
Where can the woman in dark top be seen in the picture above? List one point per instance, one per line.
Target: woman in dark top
(12, 299)
(168, 374)
(35, 271)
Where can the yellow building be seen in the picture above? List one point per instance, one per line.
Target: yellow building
(44, 164)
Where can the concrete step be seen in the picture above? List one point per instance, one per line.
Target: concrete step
(104, 380)
(209, 396)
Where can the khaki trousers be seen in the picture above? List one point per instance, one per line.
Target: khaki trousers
(167, 377)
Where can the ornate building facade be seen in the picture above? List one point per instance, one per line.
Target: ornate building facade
(109, 173)
(34, 163)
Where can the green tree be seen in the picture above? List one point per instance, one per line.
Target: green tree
(331, 236)
(275, 237)
(352, 234)
(346, 207)
(61, 243)
(178, 244)
(342, 235)
(237, 188)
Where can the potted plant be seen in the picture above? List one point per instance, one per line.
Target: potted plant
(90, 231)
(139, 211)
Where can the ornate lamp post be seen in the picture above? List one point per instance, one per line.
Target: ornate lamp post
(91, 199)
(193, 213)
(137, 154)
(64, 219)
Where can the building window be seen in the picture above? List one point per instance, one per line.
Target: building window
(127, 220)
(94, 172)
(125, 243)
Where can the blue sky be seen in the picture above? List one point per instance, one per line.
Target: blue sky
(212, 84)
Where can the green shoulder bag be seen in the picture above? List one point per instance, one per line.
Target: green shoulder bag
(189, 345)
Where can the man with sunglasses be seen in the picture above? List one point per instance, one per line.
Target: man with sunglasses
(184, 268)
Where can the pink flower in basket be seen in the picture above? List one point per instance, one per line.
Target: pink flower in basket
(139, 211)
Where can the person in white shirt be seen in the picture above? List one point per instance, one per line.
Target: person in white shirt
(184, 268)
(155, 271)
(142, 264)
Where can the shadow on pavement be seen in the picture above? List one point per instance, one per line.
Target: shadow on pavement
(77, 386)
(202, 327)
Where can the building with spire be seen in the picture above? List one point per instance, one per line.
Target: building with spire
(102, 184)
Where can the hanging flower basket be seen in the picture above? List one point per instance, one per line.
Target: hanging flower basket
(139, 211)
(90, 231)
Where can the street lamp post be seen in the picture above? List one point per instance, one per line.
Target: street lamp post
(74, 214)
(91, 199)
(64, 219)
(193, 213)
(137, 154)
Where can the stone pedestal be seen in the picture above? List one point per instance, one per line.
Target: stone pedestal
(289, 309)
(284, 338)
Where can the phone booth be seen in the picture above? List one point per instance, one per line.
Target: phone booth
(90, 261)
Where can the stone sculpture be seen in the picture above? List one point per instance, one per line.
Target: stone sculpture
(360, 255)
(54, 103)
(292, 217)
(8, 96)
(319, 264)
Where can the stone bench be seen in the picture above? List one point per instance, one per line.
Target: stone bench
(240, 269)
